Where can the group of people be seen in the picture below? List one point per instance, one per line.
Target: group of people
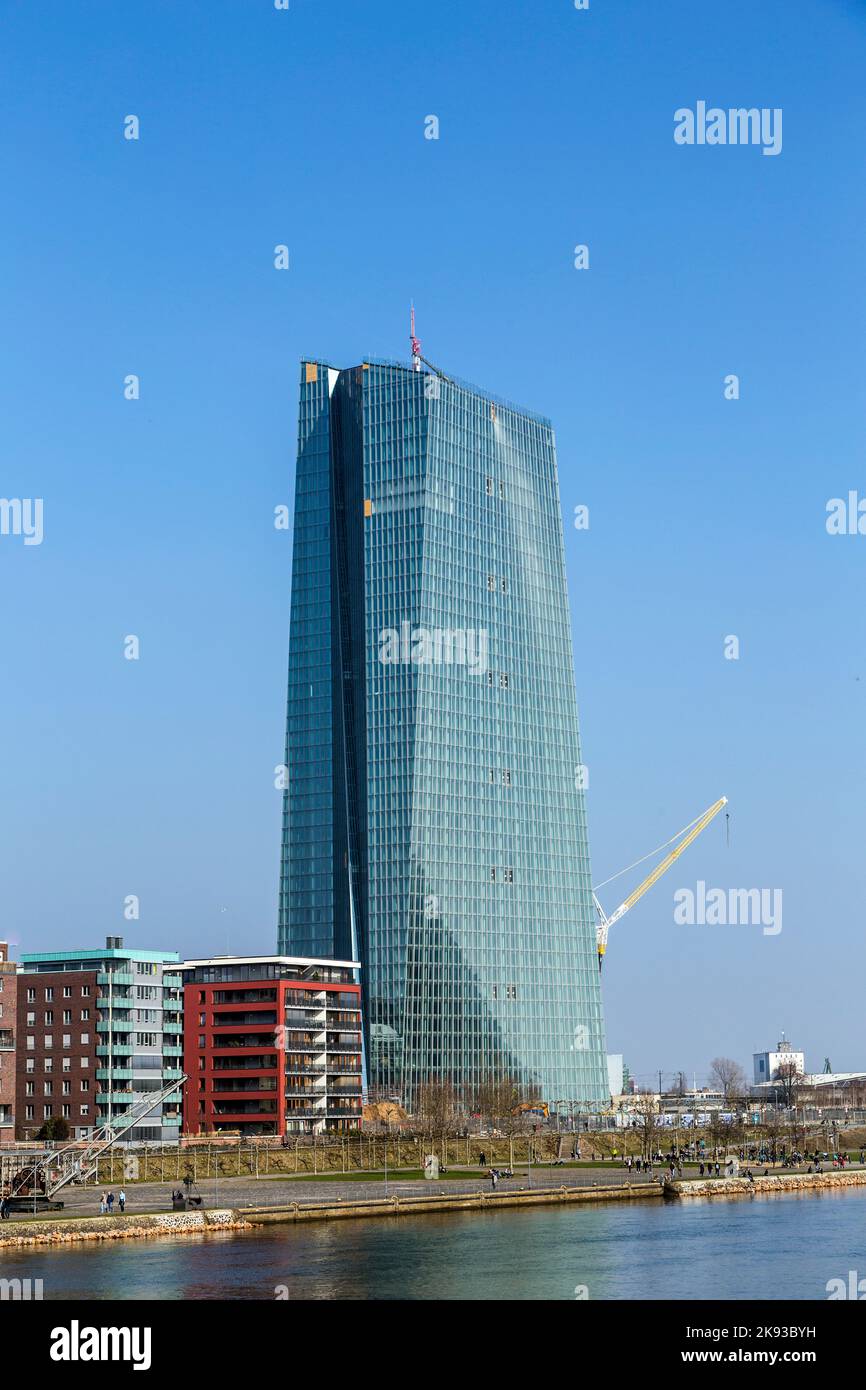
(106, 1202)
(640, 1165)
(495, 1174)
(4, 1208)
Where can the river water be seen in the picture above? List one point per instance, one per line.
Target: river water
(775, 1246)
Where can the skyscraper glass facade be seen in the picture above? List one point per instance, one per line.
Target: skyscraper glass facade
(434, 823)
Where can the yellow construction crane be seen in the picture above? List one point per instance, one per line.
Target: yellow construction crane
(689, 833)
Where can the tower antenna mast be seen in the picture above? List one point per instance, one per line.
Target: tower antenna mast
(416, 345)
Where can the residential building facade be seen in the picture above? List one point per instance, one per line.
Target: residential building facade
(8, 1034)
(272, 1045)
(103, 1029)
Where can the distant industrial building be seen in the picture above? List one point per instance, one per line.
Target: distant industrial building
(272, 1045)
(771, 1066)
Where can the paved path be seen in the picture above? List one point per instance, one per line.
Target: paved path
(278, 1191)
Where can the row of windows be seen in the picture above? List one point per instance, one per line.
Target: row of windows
(49, 993)
(48, 1041)
(48, 1111)
(48, 1087)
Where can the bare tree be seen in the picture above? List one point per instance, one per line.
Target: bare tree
(436, 1106)
(646, 1114)
(729, 1076)
(788, 1081)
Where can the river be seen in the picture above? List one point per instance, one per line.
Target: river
(775, 1246)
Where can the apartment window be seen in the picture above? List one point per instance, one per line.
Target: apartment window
(67, 1040)
(492, 875)
(49, 994)
(29, 1112)
(31, 1043)
(145, 1039)
(511, 991)
(491, 582)
(47, 1088)
(30, 1064)
(31, 1020)
(67, 1015)
(201, 1040)
(48, 1063)
(66, 1111)
(84, 1109)
(202, 1019)
(67, 1064)
(85, 1039)
(495, 992)
(85, 991)
(503, 679)
(29, 1088)
(67, 991)
(509, 875)
(48, 1040)
(85, 1015)
(49, 1017)
(506, 776)
(84, 1063)
(502, 491)
(66, 1087)
(85, 1085)
(31, 996)
(489, 485)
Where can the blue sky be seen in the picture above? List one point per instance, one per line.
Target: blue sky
(707, 516)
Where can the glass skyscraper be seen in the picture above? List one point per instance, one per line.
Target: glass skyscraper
(433, 821)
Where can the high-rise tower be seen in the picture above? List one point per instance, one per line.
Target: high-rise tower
(434, 823)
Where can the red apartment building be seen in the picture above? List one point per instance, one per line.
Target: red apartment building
(272, 1045)
(8, 988)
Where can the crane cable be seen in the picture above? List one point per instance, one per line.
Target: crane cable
(653, 852)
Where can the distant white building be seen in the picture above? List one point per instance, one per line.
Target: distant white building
(769, 1065)
(615, 1072)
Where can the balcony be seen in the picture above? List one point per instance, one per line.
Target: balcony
(114, 978)
(121, 1050)
(172, 981)
(117, 1025)
(7, 1040)
(115, 1074)
(172, 1006)
(168, 1027)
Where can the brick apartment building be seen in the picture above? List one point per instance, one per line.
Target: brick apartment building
(56, 1072)
(8, 1024)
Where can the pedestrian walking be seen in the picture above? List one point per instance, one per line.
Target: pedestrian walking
(109, 1201)
(4, 1208)
(102, 1205)
(121, 1197)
